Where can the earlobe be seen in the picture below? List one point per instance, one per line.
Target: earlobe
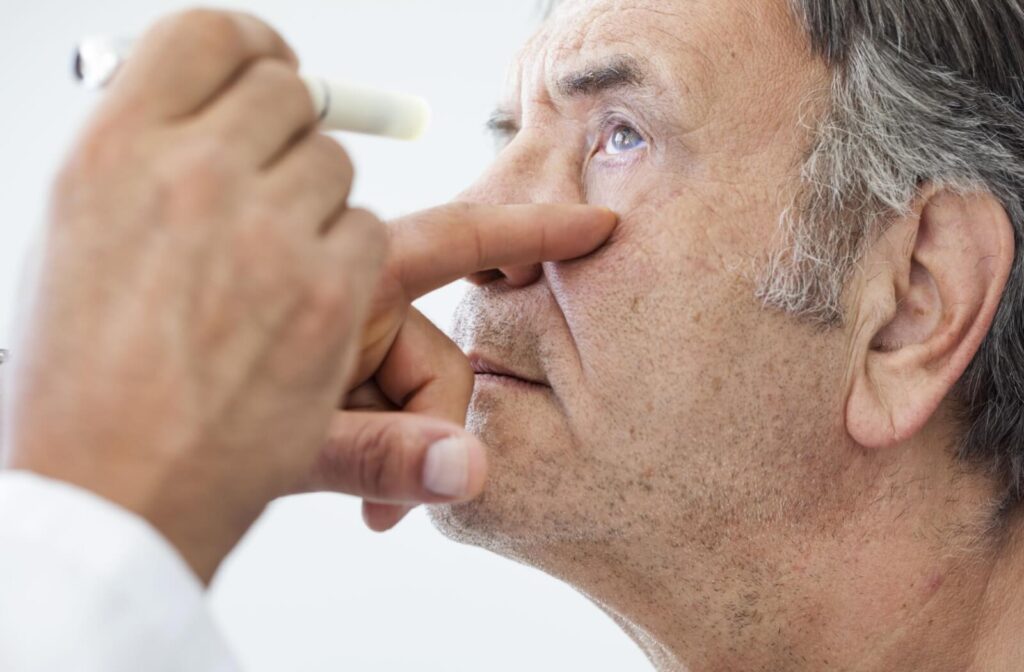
(929, 290)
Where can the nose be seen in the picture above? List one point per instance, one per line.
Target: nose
(533, 168)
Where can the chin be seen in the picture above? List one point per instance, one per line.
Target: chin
(528, 500)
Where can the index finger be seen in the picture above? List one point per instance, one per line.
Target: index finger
(186, 59)
(436, 247)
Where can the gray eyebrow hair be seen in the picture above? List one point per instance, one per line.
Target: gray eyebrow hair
(618, 72)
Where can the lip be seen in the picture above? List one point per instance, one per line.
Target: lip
(485, 368)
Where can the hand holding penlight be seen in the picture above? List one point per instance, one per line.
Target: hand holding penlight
(340, 106)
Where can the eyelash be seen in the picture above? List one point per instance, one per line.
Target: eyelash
(608, 124)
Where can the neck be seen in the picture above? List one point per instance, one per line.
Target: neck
(866, 602)
(1000, 646)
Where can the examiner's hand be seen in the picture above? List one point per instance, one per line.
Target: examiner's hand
(396, 460)
(201, 291)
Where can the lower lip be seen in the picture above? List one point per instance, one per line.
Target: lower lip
(509, 381)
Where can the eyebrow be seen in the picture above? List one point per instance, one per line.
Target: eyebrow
(502, 124)
(618, 72)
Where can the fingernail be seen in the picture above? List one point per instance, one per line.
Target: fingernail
(446, 469)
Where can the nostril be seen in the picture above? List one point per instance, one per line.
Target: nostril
(514, 276)
(521, 276)
(485, 277)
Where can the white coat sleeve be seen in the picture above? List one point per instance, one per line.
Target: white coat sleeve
(87, 586)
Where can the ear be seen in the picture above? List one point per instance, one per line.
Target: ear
(929, 289)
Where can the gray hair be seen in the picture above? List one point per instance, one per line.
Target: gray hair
(922, 91)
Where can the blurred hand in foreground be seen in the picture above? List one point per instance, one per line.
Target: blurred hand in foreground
(206, 296)
(401, 458)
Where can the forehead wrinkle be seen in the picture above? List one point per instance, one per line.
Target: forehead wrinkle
(587, 37)
(678, 73)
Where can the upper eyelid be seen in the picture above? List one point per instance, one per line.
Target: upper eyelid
(613, 119)
(614, 126)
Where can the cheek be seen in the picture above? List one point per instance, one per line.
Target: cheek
(679, 360)
(657, 307)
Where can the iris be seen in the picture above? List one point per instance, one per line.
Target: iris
(624, 139)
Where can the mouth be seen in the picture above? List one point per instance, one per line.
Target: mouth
(489, 371)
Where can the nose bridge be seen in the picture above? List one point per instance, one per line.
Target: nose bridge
(533, 168)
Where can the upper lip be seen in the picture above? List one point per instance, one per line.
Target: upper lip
(483, 365)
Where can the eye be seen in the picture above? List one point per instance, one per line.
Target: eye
(623, 139)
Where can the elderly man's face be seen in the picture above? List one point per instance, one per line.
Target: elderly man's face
(678, 409)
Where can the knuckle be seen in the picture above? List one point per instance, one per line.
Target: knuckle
(97, 150)
(327, 297)
(266, 261)
(382, 460)
(203, 156)
(210, 22)
(195, 174)
(277, 76)
(288, 90)
(333, 160)
(111, 138)
(261, 244)
(375, 235)
(456, 210)
(324, 311)
(320, 307)
(211, 32)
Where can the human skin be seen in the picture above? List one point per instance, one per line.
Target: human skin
(737, 489)
(206, 300)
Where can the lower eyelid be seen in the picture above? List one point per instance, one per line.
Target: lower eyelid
(622, 160)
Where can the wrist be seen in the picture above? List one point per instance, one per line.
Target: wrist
(202, 531)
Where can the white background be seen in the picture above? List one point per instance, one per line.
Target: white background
(309, 589)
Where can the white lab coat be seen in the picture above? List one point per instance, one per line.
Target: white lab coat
(86, 586)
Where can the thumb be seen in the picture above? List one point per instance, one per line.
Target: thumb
(399, 458)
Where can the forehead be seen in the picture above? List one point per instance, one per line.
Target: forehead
(688, 42)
